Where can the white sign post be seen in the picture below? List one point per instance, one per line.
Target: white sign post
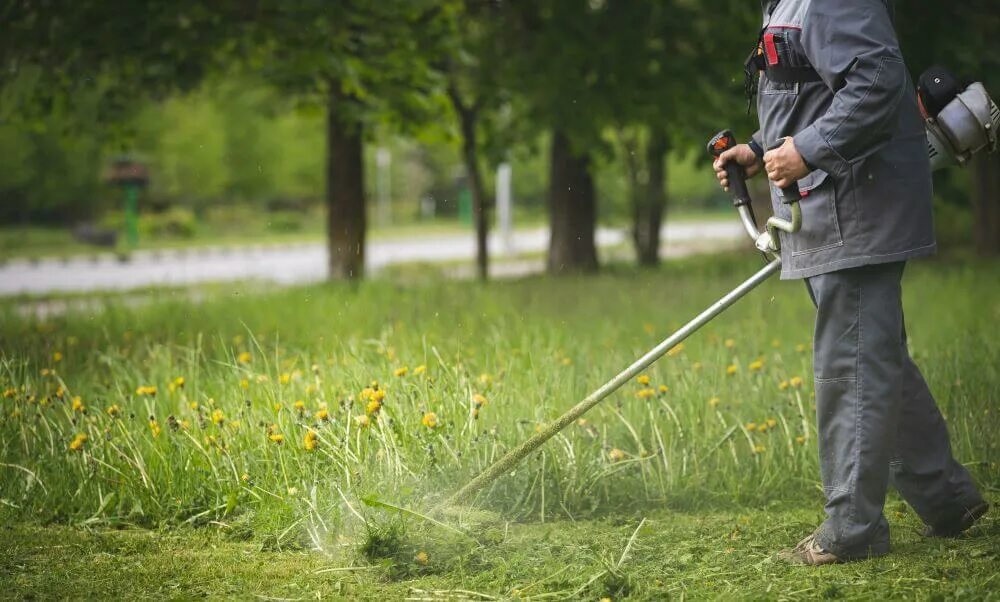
(383, 184)
(505, 208)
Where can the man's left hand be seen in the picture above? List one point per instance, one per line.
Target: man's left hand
(784, 165)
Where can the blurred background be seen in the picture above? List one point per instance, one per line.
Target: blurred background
(146, 143)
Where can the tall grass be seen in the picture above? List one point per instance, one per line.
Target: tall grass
(265, 413)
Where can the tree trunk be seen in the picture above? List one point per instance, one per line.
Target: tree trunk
(986, 204)
(572, 210)
(649, 201)
(479, 217)
(345, 192)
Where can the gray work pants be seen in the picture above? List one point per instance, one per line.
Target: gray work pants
(876, 417)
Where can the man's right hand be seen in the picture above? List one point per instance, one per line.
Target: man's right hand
(743, 155)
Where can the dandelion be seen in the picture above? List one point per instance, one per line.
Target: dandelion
(114, 410)
(193, 405)
(154, 427)
(751, 426)
(616, 455)
(645, 393)
(485, 378)
(419, 370)
(731, 369)
(277, 407)
(57, 357)
(675, 350)
(362, 420)
(643, 379)
(60, 392)
(800, 440)
(177, 383)
(771, 423)
(373, 407)
(78, 441)
(713, 402)
(9, 393)
(479, 400)
(277, 438)
(244, 357)
(762, 428)
(730, 343)
(245, 477)
(664, 388)
(759, 449)
(149, 391)
(783, 385)
(421, 557)
(322, 414)
(311, 440)
(217, 416)
(244, 383)
(756, 365)
(285, 378)
(401, 371)
(78, 405)
(795, 381)
(300, 406)
(430, 420)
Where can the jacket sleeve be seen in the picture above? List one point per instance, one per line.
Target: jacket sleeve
(853, 47)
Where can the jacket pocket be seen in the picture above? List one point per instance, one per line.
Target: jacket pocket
(820, 224)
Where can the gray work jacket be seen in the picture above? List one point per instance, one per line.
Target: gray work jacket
(868, 199)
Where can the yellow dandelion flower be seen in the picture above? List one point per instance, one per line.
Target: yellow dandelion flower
(218, 417)
(322, 414)
(663, 388)
(759, 449)
(277, 438)
(771, 422)
(479, 400)
(800, 440)
(78, 441)
(244, 383)
(277, 407)
(113, 410)
(362, 420)
(643, 379)
(419, 370)
(756, 365)
(78, 404)
(285, 378)
(378, 395)
(616, 455)
(676, 349)
(57, 357)
(795, 381)
(401, 371)
(46, 372)
(762, 428)
(244, 357)
(193, 405)
(311, 440)
(751, 426)
(300, 406)
(730, 343)
(645, 393)
(60, 392)
(154, 427)
(9, 393)
(185, 424)
(373, 407)
(783, 385)
(430, 420)
(485, 378)
(714, 401)
(149, 391)
(421, 557)
(245, 477)
(731, 369)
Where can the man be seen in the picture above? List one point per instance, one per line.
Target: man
(834, 91)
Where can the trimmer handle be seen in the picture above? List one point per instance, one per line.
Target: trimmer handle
(737, 177)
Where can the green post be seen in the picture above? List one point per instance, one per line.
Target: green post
(465, 205)
(132, 215)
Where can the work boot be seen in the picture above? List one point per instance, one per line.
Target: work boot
(957, 527)
(808, 552)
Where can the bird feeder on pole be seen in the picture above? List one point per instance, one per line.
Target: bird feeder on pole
(131, 176)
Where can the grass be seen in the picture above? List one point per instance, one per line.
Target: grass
(267, 431)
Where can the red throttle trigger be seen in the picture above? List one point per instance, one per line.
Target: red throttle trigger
(737, 177)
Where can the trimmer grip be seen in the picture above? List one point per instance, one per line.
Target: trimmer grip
(789, 194)
(737, 177)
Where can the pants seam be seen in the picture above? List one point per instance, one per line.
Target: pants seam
(858, 407)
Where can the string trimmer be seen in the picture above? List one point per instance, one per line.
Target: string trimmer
(959, 123)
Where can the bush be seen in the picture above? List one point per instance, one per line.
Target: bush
(176, 222)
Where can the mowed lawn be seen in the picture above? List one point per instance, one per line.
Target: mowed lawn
(239, 445)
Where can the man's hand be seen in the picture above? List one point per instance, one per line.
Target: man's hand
(743, 155)
(784, 165)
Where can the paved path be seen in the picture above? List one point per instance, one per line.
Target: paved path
(290, 264)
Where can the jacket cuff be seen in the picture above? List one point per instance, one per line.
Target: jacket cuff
(817, 152)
